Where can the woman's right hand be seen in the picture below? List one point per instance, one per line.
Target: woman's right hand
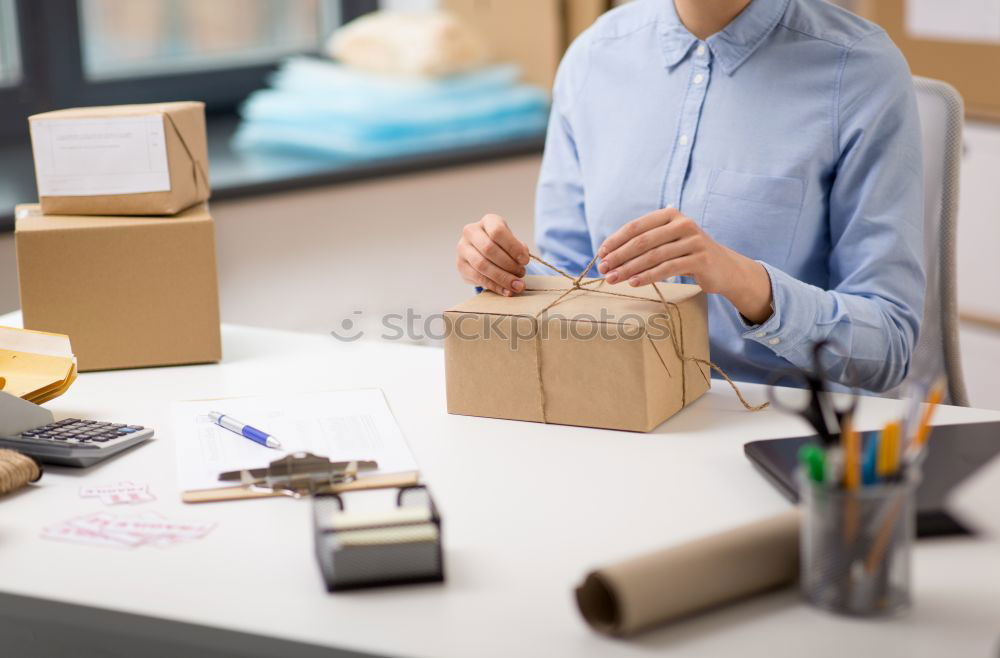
(491, 257)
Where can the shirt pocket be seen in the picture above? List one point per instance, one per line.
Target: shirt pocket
(753, 215)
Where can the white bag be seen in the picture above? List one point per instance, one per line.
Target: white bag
(431, 43)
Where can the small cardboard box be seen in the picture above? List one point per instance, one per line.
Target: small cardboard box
(591, 359)
(122, 159)
(969, 65)
(128, 291)
(532, 33)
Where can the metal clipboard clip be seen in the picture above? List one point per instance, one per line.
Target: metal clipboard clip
(300, 474)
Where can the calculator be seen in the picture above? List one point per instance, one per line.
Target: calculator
(76, 442)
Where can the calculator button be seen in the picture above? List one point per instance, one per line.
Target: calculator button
(126, 430)
(136, 427)
(100, 439)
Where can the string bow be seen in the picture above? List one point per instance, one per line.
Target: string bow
(676, 337)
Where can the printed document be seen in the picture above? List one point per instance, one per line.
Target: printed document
(338, 425)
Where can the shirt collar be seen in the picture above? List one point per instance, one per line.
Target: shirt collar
(730, 47)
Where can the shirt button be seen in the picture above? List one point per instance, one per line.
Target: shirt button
(684, 140)
(774, 341)
(700, 51)
(761, 334)
(698, 79)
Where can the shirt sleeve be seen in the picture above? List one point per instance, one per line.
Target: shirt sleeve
(870, 315)
(561, 231)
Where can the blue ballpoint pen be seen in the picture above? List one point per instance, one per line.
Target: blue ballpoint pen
(252, 433)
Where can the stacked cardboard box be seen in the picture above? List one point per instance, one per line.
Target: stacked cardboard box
(120, 252)
(532, 33)
(954, 42)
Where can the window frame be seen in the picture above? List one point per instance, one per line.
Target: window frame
(52, 75)
(5, 49)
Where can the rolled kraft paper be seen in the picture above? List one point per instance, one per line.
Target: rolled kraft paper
(650, 589)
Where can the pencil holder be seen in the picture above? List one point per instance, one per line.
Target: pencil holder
(856, 545)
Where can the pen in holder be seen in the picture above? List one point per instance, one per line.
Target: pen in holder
(856, 545)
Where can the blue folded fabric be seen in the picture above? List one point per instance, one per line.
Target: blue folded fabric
(322, 107)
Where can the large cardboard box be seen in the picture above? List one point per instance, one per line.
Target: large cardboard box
(121, 160)
(128, 291)
(586, 358)
(968, 64)
(532, 33)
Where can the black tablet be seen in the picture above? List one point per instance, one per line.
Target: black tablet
(955, 451)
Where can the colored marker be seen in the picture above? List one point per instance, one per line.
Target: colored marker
(852, 456)
(813, 461)
(887, 461)
(868, 470)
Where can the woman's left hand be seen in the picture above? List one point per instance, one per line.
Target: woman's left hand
(667, 243)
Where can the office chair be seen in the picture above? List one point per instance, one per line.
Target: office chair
(937, 349)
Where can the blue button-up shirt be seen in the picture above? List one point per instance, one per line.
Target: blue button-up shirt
(791, 136)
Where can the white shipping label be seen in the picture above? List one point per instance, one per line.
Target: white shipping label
(976, 21)
(90, 157)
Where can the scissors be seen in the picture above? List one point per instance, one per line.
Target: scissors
(817, 404)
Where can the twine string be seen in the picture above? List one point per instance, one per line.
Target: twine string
(196, 166)
(16, 470)
(675, 325)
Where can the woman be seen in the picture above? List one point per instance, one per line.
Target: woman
(768, 149)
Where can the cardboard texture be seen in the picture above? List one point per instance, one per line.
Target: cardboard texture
(600, 355)
(128, 291)
(187, 158)
(969, 67)
(532, 33)
(651, 589)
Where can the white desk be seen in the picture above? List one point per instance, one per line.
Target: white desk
(527, 508)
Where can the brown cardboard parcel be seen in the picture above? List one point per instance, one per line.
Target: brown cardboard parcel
(968, 65)
(128, 291)
(187, 161)
(532, 33)
(596, 360)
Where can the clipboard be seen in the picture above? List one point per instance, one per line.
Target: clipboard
(299, 475)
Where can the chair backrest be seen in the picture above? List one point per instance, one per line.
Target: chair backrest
(937, 349)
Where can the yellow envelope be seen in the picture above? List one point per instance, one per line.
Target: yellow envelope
(35, 365)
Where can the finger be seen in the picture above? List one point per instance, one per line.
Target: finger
(678, 227)
(470, 275)
(683, 266)
(651, 259)
(640, 244)
(494, 252)
(634, 228)
(483, 265)
(497, 229)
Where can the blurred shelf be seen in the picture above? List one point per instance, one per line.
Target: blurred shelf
(237, 174)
